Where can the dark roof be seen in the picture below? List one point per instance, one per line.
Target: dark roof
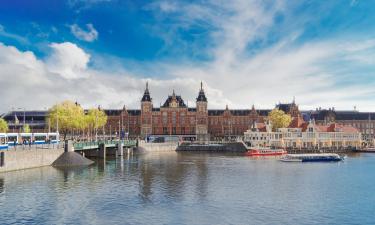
(19, 114)
(146, 96)
(263, 112)
(192, 109)
(215, 112)
(201, 96)
(179, 100)
(237, 112)
(134, 112)
(116, 112)
(284, 106)
(112, 112)
(341, 115)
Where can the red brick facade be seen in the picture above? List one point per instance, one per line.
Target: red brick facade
(175, 118)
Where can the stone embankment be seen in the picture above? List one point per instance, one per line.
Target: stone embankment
(28, 158)
(156, 147)
(213, 147)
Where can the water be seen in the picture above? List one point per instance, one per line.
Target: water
(182, 188)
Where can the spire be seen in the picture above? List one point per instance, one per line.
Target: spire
(146, 96)
(294, 99)
(226, 107)
(201, 95)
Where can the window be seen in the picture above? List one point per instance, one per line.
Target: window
(182, 118)
(165, 117)
(165, 130)
(173, 117)
(174, 130)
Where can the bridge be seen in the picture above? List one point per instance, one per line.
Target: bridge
(81, 146)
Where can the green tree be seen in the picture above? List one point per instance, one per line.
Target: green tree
(279, 119)
(26, 128)
(3, 126)
(95, 119)
(65, 117)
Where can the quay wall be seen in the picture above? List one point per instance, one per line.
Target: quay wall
(157, 147)
(28, 158)
(223, 147)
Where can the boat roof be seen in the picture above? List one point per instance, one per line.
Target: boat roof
(313, 154)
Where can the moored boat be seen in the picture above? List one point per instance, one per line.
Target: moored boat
(323, 157)
(371, 150)
(265, 152)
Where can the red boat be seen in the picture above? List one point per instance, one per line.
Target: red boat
(265, 152)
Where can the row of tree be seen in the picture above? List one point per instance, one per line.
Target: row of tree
(4, 127)
(68, 117)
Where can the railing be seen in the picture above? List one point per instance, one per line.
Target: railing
(95, 144)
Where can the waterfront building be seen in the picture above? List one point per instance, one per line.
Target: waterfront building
(363, 121)
(305, 135)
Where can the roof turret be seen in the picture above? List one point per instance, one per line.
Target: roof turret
(201, 95)
(146, 96)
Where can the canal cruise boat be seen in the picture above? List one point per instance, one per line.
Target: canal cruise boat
(322, 157)
(265, 151)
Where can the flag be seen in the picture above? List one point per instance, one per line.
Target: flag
(16, 121)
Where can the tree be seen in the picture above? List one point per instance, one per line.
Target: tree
(3, 126)
(279, 119)
(65, 117)
(26, 128)
(95, 119)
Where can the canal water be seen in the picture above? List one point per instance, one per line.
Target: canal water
(183, 188)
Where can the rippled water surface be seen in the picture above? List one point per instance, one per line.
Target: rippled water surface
(182, 188)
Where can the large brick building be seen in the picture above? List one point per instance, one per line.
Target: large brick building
(174, 117)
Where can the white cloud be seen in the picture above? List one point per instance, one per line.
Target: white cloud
(68, 60)
(90, 35)
(26, 81)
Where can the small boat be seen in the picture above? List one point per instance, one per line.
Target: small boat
(372, 150)
(323, 157)
(265, 152)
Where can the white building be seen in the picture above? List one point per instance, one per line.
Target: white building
(307, 135)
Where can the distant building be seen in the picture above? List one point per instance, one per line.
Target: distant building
(363, 121)
(306, 135)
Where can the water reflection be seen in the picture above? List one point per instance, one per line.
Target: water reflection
(1, 185)
(181, 188)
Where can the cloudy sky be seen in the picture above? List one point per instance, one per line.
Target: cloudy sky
(101, 52)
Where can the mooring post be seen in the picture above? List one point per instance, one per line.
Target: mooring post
(68, 146)
(102, 151)
(120, 149)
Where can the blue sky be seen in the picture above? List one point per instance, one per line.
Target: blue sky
(101, 52)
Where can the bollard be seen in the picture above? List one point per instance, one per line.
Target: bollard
(120, 149)
(102, 151)
(68, 146)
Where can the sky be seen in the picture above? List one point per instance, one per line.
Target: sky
(246, 52)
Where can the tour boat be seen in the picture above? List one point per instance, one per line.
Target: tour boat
(323, 157)
(265, 152)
